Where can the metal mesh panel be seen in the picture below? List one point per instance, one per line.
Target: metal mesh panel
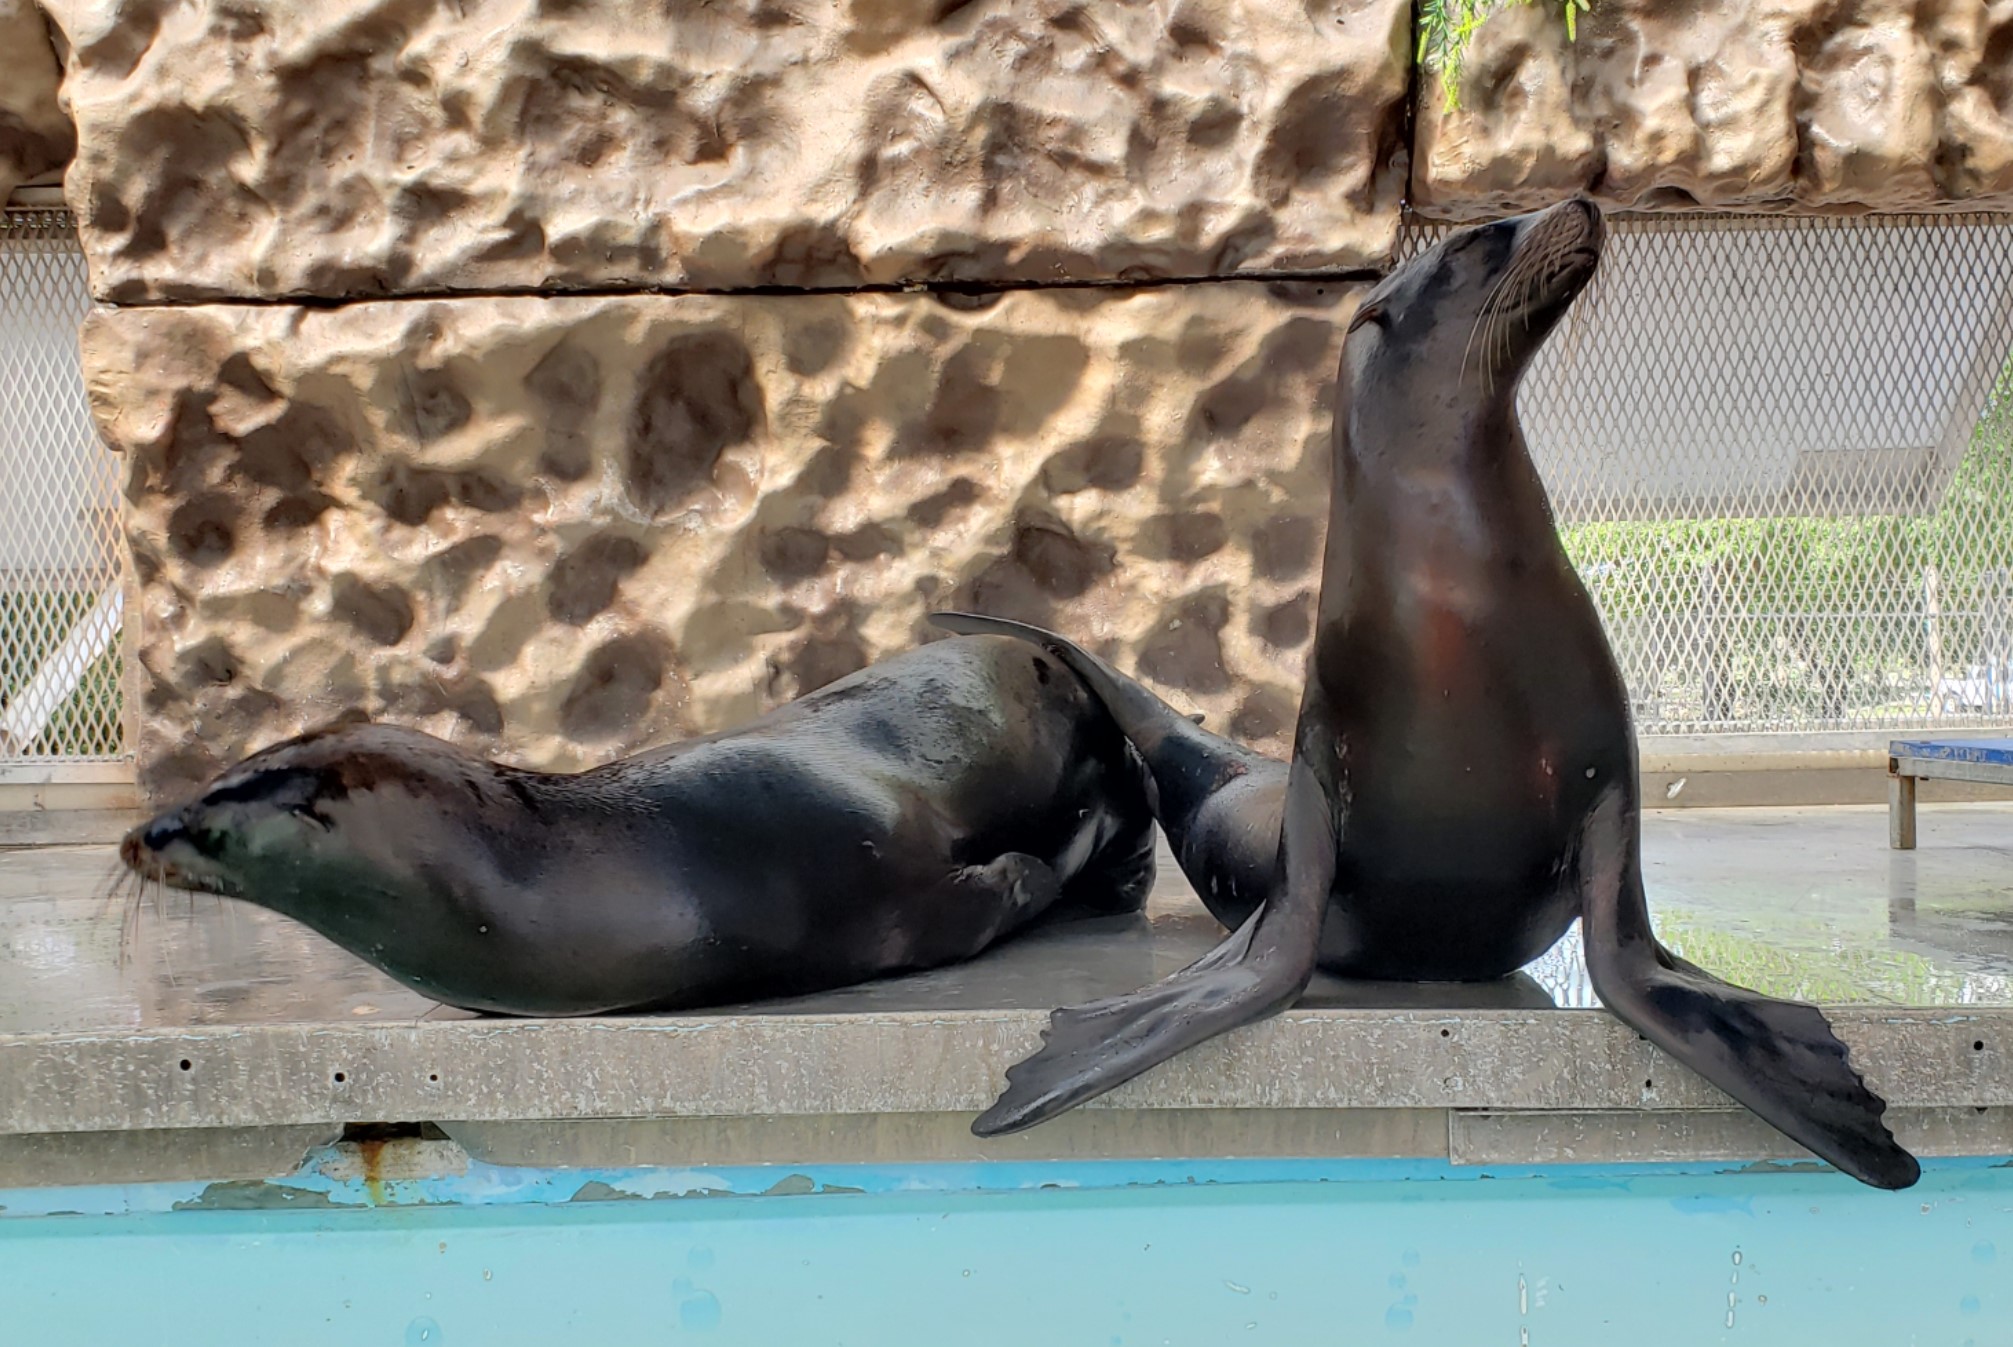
(60, 593)
(1781, 453)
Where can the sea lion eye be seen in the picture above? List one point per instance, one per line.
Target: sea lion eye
(306, 813)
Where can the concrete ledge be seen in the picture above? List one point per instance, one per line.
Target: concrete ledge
(742, 1066)
(1720, 787)
(1457, 1136)
(67, 804)
(209, 1154)
(1461, 1136)
(35, 198)
(905, 1138)
(1596, 1138)
(1742, 770)
(66, 827)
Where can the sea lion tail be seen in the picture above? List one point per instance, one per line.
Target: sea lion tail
(1143, 717)
(1779, 1058)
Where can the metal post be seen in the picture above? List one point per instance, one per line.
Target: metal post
(1900, 810)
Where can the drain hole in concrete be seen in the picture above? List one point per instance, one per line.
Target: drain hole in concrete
(434, 1077)
(187, 1065)
(340, 1078)
(1978, 1046)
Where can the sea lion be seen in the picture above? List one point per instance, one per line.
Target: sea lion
(1463, 783)
(903, 817)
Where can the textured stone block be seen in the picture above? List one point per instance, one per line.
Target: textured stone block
(1729, 105)
(35, 135)
(388, 146)
(558, 530)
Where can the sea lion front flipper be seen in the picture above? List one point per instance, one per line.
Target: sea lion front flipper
(984, 903)
(1260, 970)
(1779, 1058)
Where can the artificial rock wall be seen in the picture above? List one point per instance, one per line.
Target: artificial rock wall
(383, 456)
(400, 146)
(510, 368)
(558, 530)
(35, 136)
(1798, 105)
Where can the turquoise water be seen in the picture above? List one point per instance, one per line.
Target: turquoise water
(1117, 1254)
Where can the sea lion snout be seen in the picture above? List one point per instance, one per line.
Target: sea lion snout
(163, 848)
(1584, 208)
(143, 846)
(133, 848)
(1559, 247)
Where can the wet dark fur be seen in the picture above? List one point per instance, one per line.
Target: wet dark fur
(903, 817)
(1463, 783)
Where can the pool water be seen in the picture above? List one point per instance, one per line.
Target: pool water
(1106, 1254)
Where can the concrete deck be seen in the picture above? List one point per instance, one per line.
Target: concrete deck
(222, 1016)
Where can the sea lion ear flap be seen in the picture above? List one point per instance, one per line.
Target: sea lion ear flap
(1372, 312)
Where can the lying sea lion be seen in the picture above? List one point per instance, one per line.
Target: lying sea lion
(903, 817)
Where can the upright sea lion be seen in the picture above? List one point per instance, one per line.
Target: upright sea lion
(903, 817)
(1463, 782)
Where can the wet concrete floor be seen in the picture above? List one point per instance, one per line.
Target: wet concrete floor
(1796, 902)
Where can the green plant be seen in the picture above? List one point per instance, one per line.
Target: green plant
(1813, 618)
(1447, 27)
(1831, 963)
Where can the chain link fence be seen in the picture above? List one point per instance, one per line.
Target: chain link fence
(1781, 454)
(60, 594)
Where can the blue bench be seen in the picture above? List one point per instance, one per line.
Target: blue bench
(1909, 760)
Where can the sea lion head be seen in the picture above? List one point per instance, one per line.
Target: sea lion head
(1472, 310)
(303, 812)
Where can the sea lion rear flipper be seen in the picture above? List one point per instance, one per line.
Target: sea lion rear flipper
(1260, 970)
(1779, 1058)
(1142, 715)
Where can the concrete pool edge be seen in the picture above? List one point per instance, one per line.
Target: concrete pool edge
(410, 1174)
(1465, 1141)
(281, 1074)
(1461, 1086)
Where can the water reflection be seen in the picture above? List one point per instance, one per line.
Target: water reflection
(1562, 972)
(1798, 903)
(189, 959)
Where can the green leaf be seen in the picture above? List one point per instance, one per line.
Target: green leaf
(1448, 27)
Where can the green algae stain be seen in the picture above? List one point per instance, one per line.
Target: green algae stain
(258, 1195)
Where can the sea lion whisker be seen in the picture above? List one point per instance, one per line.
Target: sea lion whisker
(1484, 327)
(1509, 295)
(1573, 328)
(129, 918)
(1483, 317)
(1511, 298)
(167, 965)
(109, 884)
